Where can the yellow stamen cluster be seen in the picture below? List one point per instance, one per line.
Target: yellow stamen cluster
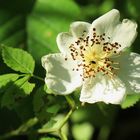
(95, 54)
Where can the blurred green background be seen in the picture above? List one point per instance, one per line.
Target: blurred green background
(33, 26)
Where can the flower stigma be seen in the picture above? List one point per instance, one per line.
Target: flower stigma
(95, 55)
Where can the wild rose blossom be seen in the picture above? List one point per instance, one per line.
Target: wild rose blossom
(93, 57)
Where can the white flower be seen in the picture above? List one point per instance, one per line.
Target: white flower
(93, 57)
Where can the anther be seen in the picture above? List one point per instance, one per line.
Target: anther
(93, 62)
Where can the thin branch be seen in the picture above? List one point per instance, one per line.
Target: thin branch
(37, 77)
(21, 130)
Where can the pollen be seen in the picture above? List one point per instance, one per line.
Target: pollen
(95, 53)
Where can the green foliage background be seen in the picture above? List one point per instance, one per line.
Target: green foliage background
(28, 110)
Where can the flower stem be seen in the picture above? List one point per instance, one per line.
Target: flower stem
(37, 77)
(59, 128)
(70, 101)
(21, 130)
(66, 118)
(62, 135)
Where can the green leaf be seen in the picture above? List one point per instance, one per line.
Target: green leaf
(18, 59)
(23, 7)
(12, 28)
(44, 106)
(24, 85)
(130, 101)
(6, 78)
(54, 108)
(49, 124)
(24, 108)
(8, 98)
(13, 21)
(40, 105)
(16, 91)
(48, 138)
(38, 101)
(45, 23)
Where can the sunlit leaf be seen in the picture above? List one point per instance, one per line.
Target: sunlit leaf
(130, 101)
(24, 85)
(50, 124)
(15, 91)
(18, 59)
(6, 78)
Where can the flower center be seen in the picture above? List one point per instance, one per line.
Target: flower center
(95, 55)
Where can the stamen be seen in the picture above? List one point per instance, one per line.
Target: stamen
(93, 62)
(96, 54)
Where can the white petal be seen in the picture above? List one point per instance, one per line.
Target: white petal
(102, 88)
(129, 71)
(64, 40)
(107, 22)
(60, 76)
(122, 32)
(125, 33)
(80, 29)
